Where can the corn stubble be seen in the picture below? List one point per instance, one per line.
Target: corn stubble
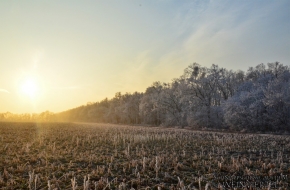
(102, 156)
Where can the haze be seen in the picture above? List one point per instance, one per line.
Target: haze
(56, 55)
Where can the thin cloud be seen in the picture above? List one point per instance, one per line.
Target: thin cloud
(4, 90)
(231, 34)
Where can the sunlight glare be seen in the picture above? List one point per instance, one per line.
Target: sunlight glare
(29, 88)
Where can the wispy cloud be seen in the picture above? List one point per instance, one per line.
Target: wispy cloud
(4, 90)
(232, 34)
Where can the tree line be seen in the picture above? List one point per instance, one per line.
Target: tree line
(212, 98)
(216, 98)
(45, 116)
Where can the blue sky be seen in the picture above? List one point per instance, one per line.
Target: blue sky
(83, 51)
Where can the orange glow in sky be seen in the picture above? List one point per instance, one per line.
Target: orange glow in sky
(56, 55)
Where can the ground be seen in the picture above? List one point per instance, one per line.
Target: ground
(105, 156)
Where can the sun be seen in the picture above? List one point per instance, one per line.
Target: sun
(29, 88)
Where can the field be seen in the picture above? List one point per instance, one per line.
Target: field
(102, 156)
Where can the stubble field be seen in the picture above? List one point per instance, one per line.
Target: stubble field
(104, 156)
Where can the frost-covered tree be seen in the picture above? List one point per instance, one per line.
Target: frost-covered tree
(130, 108)
(150, 111)
(172, 103)
(262, 101)
(245, 110)
(277, 102)
(214, 97)
(206, 90)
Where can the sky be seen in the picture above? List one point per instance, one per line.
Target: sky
(57, 55)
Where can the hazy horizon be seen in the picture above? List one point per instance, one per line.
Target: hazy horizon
(60, 55)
